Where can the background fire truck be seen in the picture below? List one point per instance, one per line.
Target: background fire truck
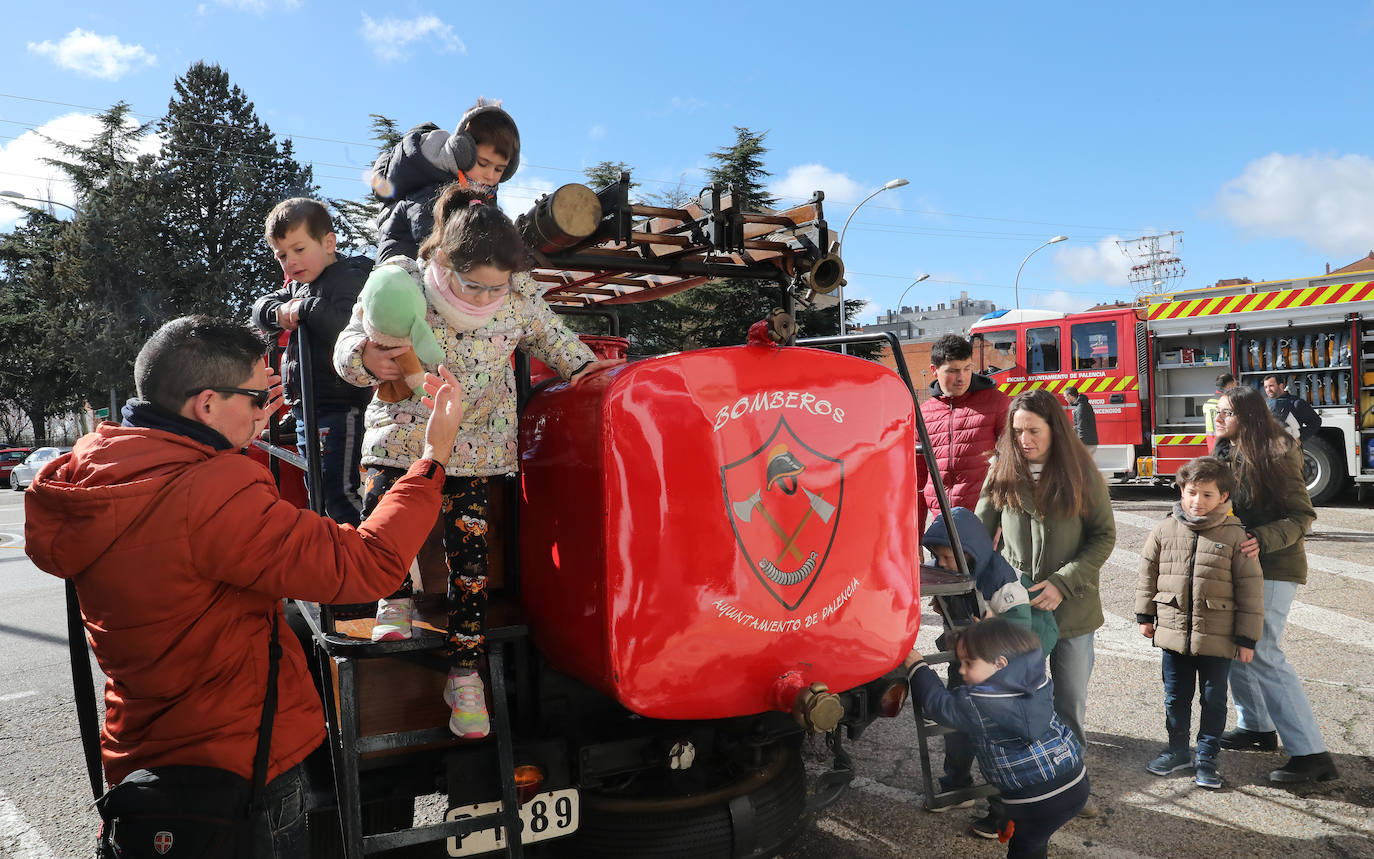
(1150, 369)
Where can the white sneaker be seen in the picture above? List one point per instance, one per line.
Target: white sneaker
(393, 619)
(467, 698)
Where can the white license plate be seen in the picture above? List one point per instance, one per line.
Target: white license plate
(551, 814)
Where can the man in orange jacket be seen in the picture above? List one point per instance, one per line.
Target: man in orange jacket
(181, 552)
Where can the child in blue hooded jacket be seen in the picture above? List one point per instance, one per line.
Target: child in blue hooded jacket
(1002, 589)
(1004, 593)
(1006, 706)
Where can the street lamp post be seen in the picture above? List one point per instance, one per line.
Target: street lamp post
(15, 195)
(908, 289)
(888, 186)
(1016, 286)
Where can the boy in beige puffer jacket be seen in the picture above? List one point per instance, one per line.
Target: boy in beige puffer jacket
(1201, 601)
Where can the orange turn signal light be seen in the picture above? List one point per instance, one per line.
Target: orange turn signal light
(894, 696)
(528, 779)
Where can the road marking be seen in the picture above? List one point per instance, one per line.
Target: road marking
(1315, 619)
(1341, 627)
(15, 696)
(18, 831)
(1139, 521)
(1334, 566)
(1338, 567)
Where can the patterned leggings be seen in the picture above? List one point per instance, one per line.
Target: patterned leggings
(464, 514)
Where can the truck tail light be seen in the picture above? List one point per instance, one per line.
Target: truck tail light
(528, 779)
(893, 697)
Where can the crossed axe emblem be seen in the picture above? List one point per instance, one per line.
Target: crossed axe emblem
(745, 508)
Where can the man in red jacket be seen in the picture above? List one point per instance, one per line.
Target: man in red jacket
(181, 551)
(964, 415)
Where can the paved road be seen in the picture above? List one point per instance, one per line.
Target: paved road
(1330, 639)
(44, 807)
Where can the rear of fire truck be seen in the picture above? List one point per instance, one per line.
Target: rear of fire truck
(714, 553)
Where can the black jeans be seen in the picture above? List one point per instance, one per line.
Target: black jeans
(341, 451)
(1184, 675)
(280, 830)
(1037, 821)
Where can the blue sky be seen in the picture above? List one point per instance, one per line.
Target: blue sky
(1244, 125)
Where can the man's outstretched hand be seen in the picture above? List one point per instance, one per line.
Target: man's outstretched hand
(444, 397)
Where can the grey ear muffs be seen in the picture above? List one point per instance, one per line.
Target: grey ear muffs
(464, 148)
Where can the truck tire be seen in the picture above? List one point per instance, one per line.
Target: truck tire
(763, 810)
(1321, 469)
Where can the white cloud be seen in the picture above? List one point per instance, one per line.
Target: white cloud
(97, 56)
(391, 38)
(259, 7)
(678, 104)
(1326, 201)
(1060, 300)
(801, 181)
(1101, 263)
(23, 170)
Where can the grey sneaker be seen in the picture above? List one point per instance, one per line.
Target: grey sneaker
(1206, 775)
(1170, 762)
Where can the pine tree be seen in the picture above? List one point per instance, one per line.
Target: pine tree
(224, 171)
(606, 173)
(37, 370)
(722, 310)
(113, 266)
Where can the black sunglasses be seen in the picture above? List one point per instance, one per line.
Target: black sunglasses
(259, 396)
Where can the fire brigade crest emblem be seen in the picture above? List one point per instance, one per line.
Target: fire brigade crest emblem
(162, 842)
(784, 503)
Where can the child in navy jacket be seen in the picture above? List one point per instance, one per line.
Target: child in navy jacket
(1007, 707)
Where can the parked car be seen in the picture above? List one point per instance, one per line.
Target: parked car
(23, 474)
(9, 458)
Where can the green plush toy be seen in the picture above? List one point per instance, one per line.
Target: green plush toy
(394, 315)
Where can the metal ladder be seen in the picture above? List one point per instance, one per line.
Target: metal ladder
(944, 584)
(347, 747)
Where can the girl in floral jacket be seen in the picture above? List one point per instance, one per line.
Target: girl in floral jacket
(482, 306)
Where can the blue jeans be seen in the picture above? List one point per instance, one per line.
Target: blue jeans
(1267, 691)
(1071, 664)
(341, 452)
(1182, 676)
(280, 829)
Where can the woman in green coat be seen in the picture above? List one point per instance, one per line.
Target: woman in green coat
(1046, 497)
(1271, 501)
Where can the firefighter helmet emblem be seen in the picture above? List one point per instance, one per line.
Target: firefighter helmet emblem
(162, 842)
(783, 469)
(786, 535)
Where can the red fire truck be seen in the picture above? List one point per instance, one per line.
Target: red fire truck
(1149, 369)
(705, 556)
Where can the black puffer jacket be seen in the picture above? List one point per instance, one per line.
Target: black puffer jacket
(1084, 420)
(325, 309)
(411, 182)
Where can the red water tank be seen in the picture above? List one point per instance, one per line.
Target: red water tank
(697, 526)
(605, 347)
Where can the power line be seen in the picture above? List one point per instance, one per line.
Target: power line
(641, 179)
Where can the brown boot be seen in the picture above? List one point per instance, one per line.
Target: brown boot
(1090, 809)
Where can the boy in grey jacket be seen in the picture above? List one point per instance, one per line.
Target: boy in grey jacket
(1201, 600)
